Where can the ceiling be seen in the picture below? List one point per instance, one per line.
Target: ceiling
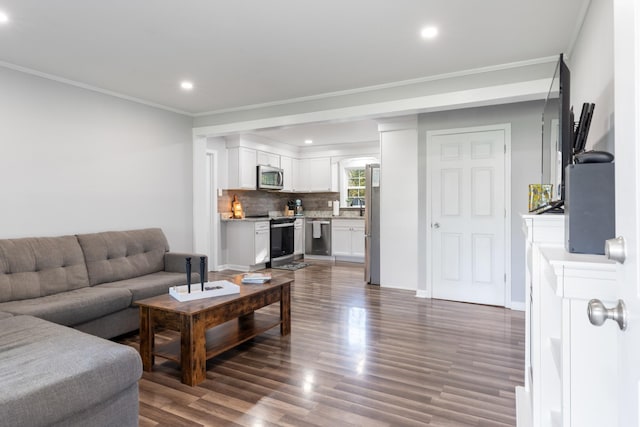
(241, 53)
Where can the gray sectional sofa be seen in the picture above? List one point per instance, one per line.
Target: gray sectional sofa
(51, 374)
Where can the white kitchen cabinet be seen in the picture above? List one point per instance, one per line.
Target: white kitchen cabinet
(347, 239)
(314, 175)
(298, 237)
(561, 344)
(268, 159)
(242, 164)
(286, 164)
(247, 244)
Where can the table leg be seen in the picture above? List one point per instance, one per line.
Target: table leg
(146, 339)
(285, 310)
(193, 350)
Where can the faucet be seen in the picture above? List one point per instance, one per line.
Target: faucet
(361, 210)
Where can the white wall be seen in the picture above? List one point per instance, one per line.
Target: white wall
(76, 161)
(591, 65)
(399, 204)
(526, 140)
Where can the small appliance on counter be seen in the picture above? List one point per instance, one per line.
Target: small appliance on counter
(299, 210)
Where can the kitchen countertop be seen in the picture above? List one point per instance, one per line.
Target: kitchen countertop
(266, 218)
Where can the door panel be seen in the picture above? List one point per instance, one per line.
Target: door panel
(627, 137)
(467, 216)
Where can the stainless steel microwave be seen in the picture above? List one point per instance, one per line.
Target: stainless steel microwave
(270, 178)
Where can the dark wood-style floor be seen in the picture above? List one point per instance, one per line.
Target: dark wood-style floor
(357, 355)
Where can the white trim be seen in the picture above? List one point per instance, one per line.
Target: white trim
(90, 87)
(519, 64)
(491, 95)
(506, 128)
(518, 306)
(213, 219)
(582, 15)
(421, 293)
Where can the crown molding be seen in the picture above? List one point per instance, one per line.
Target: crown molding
(91, 88)
(463, 73)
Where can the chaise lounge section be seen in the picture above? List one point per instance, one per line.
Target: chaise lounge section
(51, 374)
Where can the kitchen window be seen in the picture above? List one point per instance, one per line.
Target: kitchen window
(353, 181)
(355, 186)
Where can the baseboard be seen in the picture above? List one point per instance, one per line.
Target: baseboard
(222, 267)
(518, 306)
(523, 408)
(421, 293)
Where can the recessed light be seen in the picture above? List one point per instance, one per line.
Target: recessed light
(186, 85)
(4, 18)
(429, 32)
(308, 141)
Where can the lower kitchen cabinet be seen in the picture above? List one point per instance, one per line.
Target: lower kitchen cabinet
(298, 237)
(248, 244)
(347, 238)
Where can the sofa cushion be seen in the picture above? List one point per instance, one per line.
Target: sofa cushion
(4, 315)
(152, 285)
(35, 267)
(50, 373)
(121, 255)
(73, 307)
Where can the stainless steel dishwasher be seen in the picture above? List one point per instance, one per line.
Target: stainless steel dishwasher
(317, 239)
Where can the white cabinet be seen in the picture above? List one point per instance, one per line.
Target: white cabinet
(242, 164)
(247, 244)
(298, 237)
(286, 164)
(313, 175)
(562, 345)
(268, 159)
(347, 239)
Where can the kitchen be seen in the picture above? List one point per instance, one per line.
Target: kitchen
(285, 199)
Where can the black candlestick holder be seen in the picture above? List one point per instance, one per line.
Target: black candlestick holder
(188, 270)
(202, 273)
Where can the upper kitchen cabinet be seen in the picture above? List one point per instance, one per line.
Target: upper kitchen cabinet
(269, 159)
(287, 166)
(314, 175)
(242, 164)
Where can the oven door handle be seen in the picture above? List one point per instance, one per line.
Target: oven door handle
(281, 225)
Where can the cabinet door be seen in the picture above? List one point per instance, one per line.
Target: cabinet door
(298, 237)
(357, 240)
(261, 242)
(314, 174)
(242, 168)
(247, 168)
(268, 159)
(286, 164)
(318, 172)
(340, 240)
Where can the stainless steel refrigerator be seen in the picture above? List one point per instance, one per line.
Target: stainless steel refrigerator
(372, 225)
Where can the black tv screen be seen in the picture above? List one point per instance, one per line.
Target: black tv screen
(557, 130)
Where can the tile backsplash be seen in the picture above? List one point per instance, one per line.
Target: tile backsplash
(262, 202)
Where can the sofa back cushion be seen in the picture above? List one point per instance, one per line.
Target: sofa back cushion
(120, 255)
(40, 266)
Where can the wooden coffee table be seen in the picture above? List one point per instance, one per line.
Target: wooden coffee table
(211, 326)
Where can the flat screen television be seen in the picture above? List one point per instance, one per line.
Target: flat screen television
(557, 132)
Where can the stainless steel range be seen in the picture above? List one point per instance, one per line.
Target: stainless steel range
(282, 241)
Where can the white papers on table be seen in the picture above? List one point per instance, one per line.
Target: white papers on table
(255, 278)
(211, 289)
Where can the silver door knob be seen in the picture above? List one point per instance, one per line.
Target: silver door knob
(435, 225)
(615, 250)
(598, 313)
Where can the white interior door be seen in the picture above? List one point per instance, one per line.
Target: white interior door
(627, 137)
(468, 215)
